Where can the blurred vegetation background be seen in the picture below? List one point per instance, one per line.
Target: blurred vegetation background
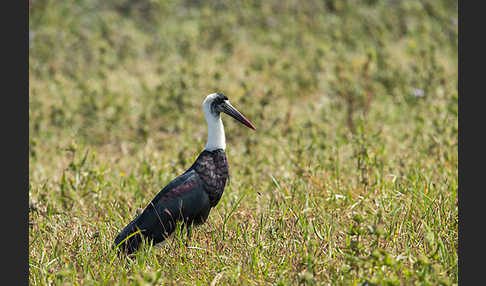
(355, 103)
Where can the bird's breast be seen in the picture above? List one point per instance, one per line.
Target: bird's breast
(212, 167)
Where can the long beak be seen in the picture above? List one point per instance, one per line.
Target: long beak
(231, 111)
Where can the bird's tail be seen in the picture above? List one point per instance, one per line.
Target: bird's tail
(129, 239)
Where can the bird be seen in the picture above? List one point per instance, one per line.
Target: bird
(190, 197)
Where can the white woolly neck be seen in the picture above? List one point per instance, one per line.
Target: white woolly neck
(216, 137)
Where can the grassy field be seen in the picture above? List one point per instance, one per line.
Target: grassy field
(349, 179)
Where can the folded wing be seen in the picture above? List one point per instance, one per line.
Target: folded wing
(183, 199)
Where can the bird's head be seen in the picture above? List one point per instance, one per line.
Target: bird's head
(216, 103)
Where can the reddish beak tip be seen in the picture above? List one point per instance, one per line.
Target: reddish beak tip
(249, 124)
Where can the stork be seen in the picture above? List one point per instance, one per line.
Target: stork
(190, 197)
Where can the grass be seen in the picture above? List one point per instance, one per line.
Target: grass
(349, 179)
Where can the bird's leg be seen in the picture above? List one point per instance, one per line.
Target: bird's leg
(189, 232)
(182, 230)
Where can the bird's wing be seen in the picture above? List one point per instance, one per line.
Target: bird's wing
(183, 198)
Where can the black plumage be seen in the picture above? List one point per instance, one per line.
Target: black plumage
(189, 199)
